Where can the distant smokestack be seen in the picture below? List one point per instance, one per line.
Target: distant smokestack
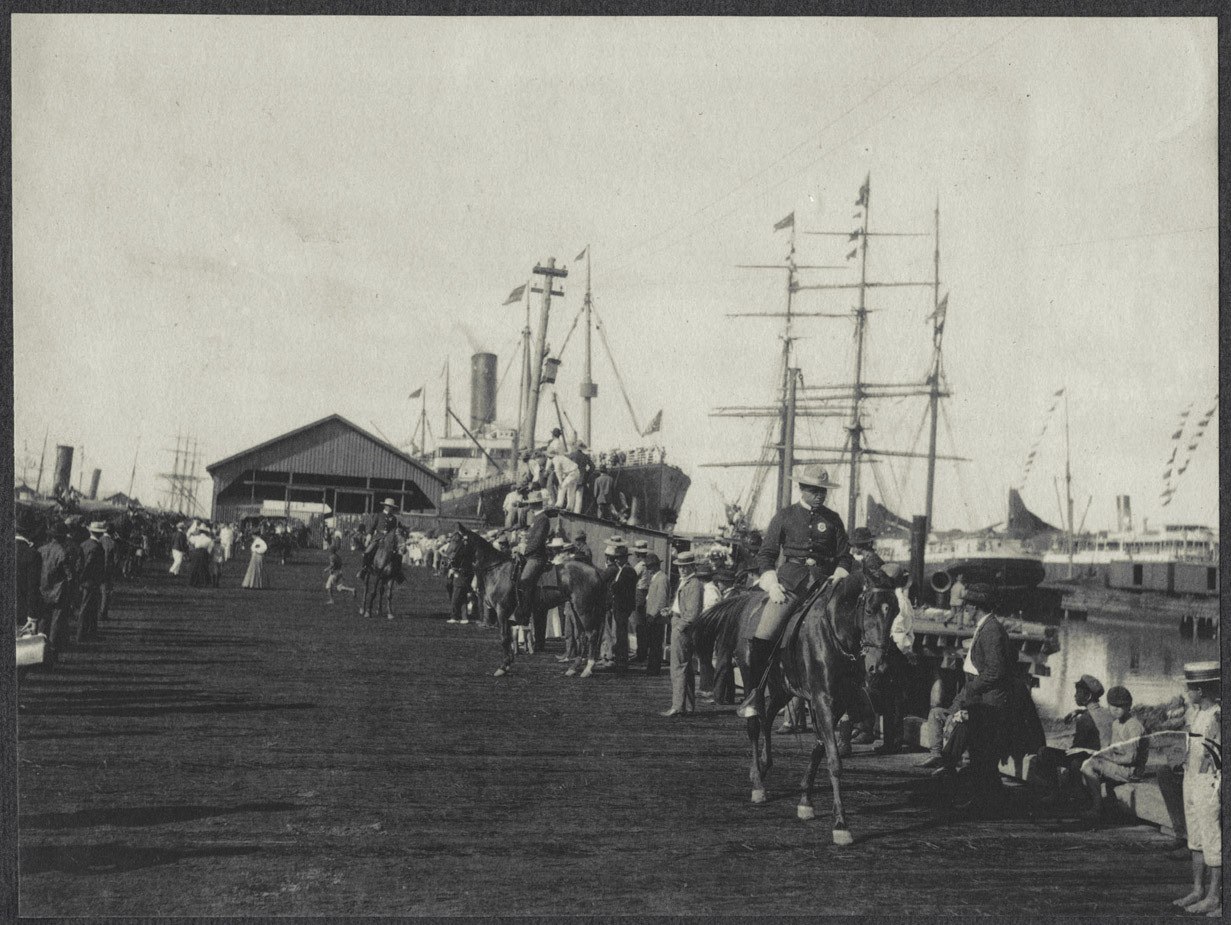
(63, 476)
(1124, 514)
(94, 484)
(482, 390)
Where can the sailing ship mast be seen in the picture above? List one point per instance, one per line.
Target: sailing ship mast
(588, 389)
(938, 330)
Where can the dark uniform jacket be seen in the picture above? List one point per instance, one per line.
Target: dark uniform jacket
(582, 553)
(800, 533)
(29, 567)
(93, 562)
(180, 541)
(537, 536)
(111, 548)
(622, 583)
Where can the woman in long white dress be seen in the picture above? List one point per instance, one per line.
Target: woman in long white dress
(255, 577)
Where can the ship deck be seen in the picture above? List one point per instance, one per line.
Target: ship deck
(240, 752)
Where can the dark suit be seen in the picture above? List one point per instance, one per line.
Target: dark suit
(985, 698)
(621, 581)
(93, 576)
(110, 547)
(56, 587)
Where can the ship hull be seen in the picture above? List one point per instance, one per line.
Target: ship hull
(655, 493)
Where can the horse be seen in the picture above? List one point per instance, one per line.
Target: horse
(836, 645)
(379, 577)
(580, 586)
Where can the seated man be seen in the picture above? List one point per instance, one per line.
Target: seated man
(1122, 760)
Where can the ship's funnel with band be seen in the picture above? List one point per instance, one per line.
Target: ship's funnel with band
(64, 470)
(482, 390)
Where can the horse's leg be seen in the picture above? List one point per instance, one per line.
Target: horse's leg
(507, 641)
(824, 716)
(593, 641)
(756, 771)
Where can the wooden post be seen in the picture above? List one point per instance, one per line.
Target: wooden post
(918, 546)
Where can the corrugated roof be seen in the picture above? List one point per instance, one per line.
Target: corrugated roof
(269, 447)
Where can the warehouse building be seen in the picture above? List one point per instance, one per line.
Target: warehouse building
(331, 462)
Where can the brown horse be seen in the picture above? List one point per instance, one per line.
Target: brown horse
(379, 578)
(826, 659)
(578, 585)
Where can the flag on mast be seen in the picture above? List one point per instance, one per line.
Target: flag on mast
(863, 192)
(515, 295)
(416, 393)
(582, 254)
(788, 222)
(655, 425)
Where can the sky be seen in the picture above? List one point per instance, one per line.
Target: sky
(228, 227)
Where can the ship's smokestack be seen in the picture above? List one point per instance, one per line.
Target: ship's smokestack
(482, 390)
(1124, 514)
(63, 476)
(94, 484)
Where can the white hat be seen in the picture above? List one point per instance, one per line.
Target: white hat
(98, 527)
(389, 502)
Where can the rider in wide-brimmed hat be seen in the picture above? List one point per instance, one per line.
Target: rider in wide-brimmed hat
(802, 533)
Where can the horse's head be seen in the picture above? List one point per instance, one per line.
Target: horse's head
(880, 606)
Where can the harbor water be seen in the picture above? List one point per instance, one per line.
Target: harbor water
(1144, 652)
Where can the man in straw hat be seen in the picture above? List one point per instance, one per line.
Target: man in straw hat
(801, 532)
(621, 581)
(93, 576)
(684, 612)
(1202, 777)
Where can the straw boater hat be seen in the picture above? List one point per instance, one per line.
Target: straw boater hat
(616, 550)
(640, 548)
(557, 543)
(687, 558)
(1201, 672)
(98, 527)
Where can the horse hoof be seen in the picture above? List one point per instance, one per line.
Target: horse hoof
(500, 673)
(842, 837)
(570, 673)
(587, 671)
(807, 812)
(758, 796)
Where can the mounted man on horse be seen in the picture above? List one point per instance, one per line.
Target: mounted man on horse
(382, 563)
(805, 634)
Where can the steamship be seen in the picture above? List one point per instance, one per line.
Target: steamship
(482, 463)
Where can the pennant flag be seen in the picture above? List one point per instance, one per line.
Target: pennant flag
(655, 425)
(788, 222)
(851, 255)
(1166, 475)
(855, 234)
(1177, 434)
(857, 215)
(941, 310)
(515, 295)
(863, 192)
(1059, 391)
(416, 393)
(582, 254)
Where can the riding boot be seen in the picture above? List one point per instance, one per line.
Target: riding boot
(759, 652)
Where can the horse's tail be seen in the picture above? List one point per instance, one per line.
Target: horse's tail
(718, 627)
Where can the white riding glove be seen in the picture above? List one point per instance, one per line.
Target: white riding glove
(838, 574)
(769, 583)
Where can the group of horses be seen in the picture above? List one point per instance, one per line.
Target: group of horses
(829, 656)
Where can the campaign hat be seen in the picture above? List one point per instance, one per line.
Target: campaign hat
(556, 542)
(1092, 684)
(389, 502)
(1119, 697)
(1201, 672)
(814, 476)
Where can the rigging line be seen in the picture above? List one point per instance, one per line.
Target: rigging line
(513, 355)
(842, 143)
(602, 334)
(572, 328)
(810, 138)
(961, 482)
